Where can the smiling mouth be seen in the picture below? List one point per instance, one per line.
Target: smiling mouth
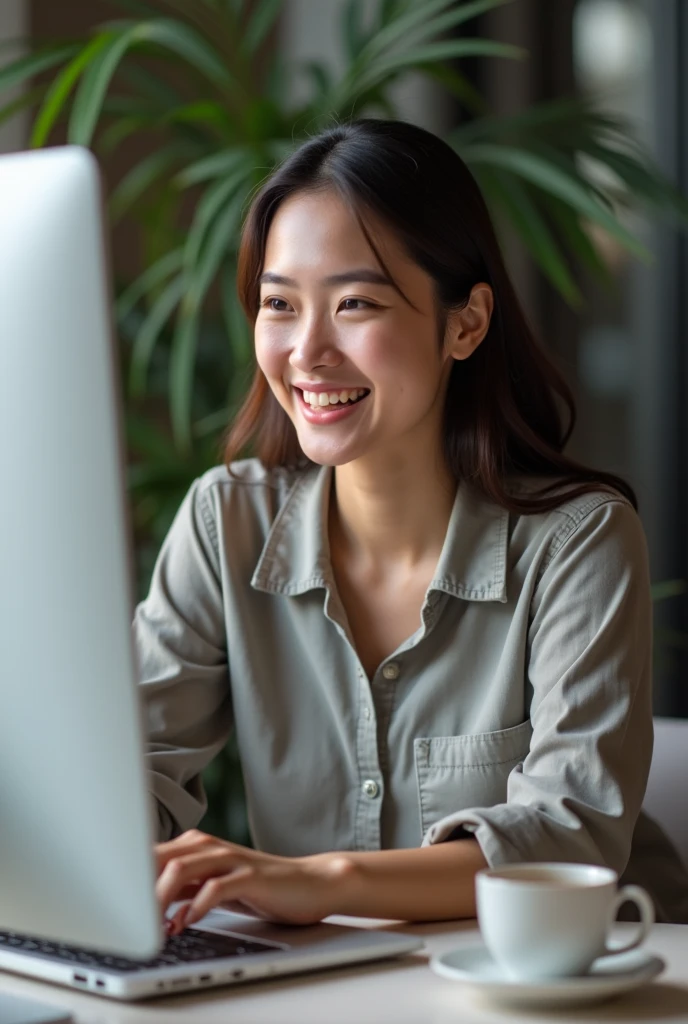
(321, 401)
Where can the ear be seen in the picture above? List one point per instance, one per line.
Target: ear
(467, 327)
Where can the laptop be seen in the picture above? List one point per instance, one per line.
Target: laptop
(77, 899)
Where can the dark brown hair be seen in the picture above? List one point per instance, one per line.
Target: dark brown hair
(502, 410)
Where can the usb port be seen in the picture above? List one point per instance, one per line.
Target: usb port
(81, 978)
(205, 977)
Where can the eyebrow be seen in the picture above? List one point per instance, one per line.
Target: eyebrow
(362, 274)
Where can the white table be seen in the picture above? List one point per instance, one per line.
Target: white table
(389, 992)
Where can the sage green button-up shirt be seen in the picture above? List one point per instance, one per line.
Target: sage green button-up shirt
(519, 711)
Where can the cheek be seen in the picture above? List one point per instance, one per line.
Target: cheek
(271, 351)
(404, 360)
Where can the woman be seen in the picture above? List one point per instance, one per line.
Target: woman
(430, 629)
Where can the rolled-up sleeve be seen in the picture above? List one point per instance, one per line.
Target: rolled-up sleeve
(180, 643)
(577, 794)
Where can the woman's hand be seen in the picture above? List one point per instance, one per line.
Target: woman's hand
(209, 872)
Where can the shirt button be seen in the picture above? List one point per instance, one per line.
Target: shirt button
(371, 788)
(391, 671)
(366, 712)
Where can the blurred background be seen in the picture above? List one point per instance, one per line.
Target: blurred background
(573, 115)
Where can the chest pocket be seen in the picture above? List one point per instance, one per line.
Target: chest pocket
(456, 772)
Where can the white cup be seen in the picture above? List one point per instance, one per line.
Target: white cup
(552, 920)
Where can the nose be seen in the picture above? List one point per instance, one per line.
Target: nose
(313, 347)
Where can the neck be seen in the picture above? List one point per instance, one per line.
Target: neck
(391, 510)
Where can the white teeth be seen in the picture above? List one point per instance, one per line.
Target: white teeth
(320, 399)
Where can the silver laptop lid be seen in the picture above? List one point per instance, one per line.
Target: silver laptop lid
(75, 844)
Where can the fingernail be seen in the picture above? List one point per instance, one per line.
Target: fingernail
(179, 920)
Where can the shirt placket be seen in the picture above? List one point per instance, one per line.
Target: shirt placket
(375, 707)
(370, 775)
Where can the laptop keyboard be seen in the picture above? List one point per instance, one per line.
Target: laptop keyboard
(190, 946)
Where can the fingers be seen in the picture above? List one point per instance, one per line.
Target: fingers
(184, 874)
(185, 843)
(176, 923)
(224, 889)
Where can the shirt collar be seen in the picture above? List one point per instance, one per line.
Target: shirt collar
(296, 554)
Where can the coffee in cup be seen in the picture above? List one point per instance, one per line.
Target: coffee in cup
(553, 920)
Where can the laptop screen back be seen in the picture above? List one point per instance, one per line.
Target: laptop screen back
(75, 840)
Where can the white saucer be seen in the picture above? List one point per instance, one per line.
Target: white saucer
(474, 968)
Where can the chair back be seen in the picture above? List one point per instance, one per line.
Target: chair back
(666, 799)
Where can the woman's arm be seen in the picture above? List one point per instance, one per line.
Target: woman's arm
(427, 884)
(180, 643)
(432, 883)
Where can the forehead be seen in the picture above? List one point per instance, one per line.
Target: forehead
(317, 231)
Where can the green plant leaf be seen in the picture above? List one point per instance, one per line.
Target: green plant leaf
(262, 20)
(19, 71)
(239, 331)
(438, 25)
(119, 131)
(202, 113)
(388, 10)
(320, 77)
(147, 439)
(172, 36)
(406, 24)
(211, 423)
(451, 49)
(577, 238)
(23, 102)
(457, 85)
(157, 93)
(668, 588)
(149, 332)
(142, 177)
(642, 180)
(213, 166)
(562, 121)
(221, 238)
(351, 30)
(148, 281)
(60, 88)
(513, 196)
(552, 179)
(182, 360)
(164, 32)
(214, 198)
(144, 474)
(239, 334)
(569, 163)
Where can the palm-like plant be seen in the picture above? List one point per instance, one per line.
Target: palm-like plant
(180, 75)
(213, 129)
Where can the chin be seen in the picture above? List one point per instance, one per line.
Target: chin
(328, 458)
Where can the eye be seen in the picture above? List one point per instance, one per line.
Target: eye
(361, 304)
(268, 304)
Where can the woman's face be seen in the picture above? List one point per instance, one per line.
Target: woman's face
(358, 370)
